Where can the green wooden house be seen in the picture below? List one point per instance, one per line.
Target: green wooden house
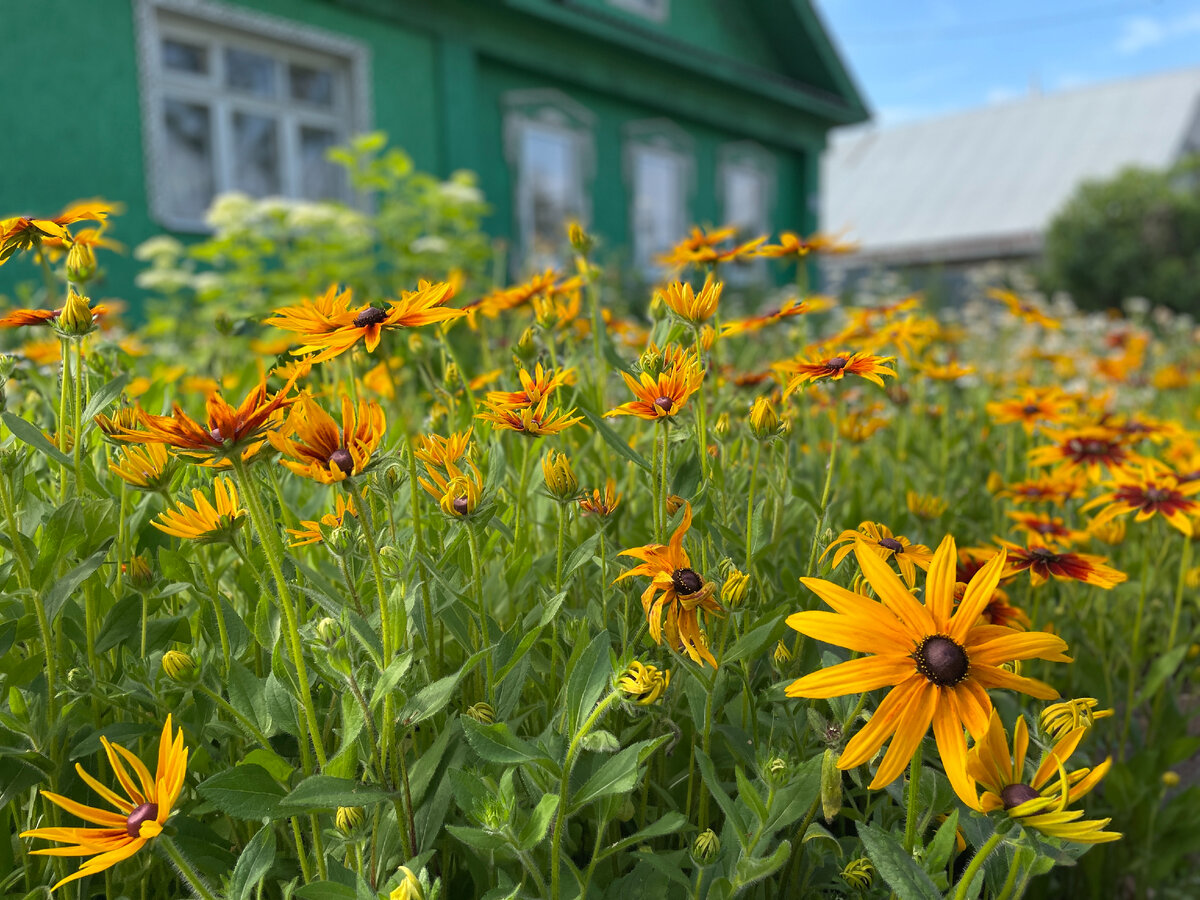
(640, 117)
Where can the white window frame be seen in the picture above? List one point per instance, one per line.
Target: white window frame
(552, 112)
(654, 10)
(663, 137)
(747, 156)
(217, 26)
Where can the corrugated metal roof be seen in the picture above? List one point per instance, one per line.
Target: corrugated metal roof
(989, 180)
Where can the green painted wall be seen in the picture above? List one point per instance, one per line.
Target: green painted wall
(438, 71)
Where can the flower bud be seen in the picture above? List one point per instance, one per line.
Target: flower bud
(706, 847)
(141, 576)
(80, 680)
(764, 420)
(643, 684)
(782, 654)
(76, 318)
(674, 504)
(526, 347)
(721, 426)
(581, 241)
(733, 591)
(178, 665)
(859, 874)
(81, 262)
(409, 887)
(651, 361)
(560, 479)
(348, 819)
(1170, 779)
(483, 713)
(451, 377)
(328, 631)
(777, 771)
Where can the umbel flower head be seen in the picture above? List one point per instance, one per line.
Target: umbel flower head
(1040, 803)
(677, 590)
(140, 815)
(319, 449)
(938, 660)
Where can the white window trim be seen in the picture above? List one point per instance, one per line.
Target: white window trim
(252, 25)
(747, 155)
(654, 10)
(551, 110)
(662, 135)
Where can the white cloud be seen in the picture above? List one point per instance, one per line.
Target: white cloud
(1143, 32)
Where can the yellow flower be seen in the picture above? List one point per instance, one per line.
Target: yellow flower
(1058, 719)
(139, 818)
(925, 506)
(409, 887)
(457, 492)
(835, 368)
(938, 660)
(178, 665)
(643, 684)
(146, 468)
(311, 532)
(435, 450)
(601, 504)
(204, 522)
(764, 420)
(693, 307)
(323, 451)
(664, 396)
(733, 591)
(883, 544)
(1041, 803)
(560, 479)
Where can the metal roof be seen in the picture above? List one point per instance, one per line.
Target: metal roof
(987, 182)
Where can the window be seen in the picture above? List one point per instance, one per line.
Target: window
(746, 184)
(659, 170)
(548, 143)
(236, 101)
(649, 9)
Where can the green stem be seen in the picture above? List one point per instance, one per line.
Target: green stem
(561, 817)
(750, 510)
(477, 581)
(363, 503)
(254, 730)
(833, 448)
(701, 414)
(663, 517)
(10, 517)
(914, 792)
(273, 547)
(222, 631)
(562, 541)
(964, 883)
(185, 869)
(1134, 654)
(76, 418)
(64, 382)
(519, 499)
(410, 459)
(1184, 561)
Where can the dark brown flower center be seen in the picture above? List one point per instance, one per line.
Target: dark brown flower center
(461, 505)
(666, 404)
(1042, 554)
(1158, 495)
(942, 661)
(1016, 794)
(342, 459)
(838, 362)
(686, 582)
(147, 812)
(1031, 409)
(372, 315)
(891, 544)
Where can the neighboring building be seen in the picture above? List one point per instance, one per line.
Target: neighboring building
(638, 116)
(949, 193)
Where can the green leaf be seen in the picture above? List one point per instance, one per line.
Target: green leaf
(618, 775)
(755, 642)
(478, 838)
(244, 792)
(278, 767)
(318, 792)
(581, 554)
(101, 398)
(613, 439)
(1160, 670)
(26, 431)
(254, 863)
(535, 829)
(497, 744)
(247, 694)
(391, 677)
(732, 813)
(896, 866)
(431, 699)
(749, 795)
(940, 848)
(326, 890)
(665, 824)
(62, 589)
(592, 671)
(756, 868)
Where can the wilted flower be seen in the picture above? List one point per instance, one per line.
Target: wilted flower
(643, 684)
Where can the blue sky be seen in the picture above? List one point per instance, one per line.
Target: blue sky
(919, 58)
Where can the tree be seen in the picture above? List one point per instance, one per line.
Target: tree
(1134, 235)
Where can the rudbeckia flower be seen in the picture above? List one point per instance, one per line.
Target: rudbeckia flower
(1089, 450)
(435, 450)
(792, 244)
(601, 504)
(23, 232)
(310, 532)
(457, 492)
(643, 684)
(1042, 563)
(939, 661)
(147, 468)
(709, 248)
(227, 429)
(786, 310)
(530, 420)
(677, 590)
(534, 388)
(204, 522)
(1149, 489)
(885, 545)
(664, 396)
(140, 815)
(1041, 803)
(1048, 529)
(1023, 309)
(1032, 407)
(319, 449)
(694, 307)
(834, 368)
(1058, 719)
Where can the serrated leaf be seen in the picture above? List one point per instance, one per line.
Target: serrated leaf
(244, 792)
(253, 863)
(497, 744)
(752, 869)
(586, 682)
(896, 866)
(432, 698)
(940, 848)
(618, 775)
(317, 792)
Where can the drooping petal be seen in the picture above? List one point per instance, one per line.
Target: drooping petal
(952, 747)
